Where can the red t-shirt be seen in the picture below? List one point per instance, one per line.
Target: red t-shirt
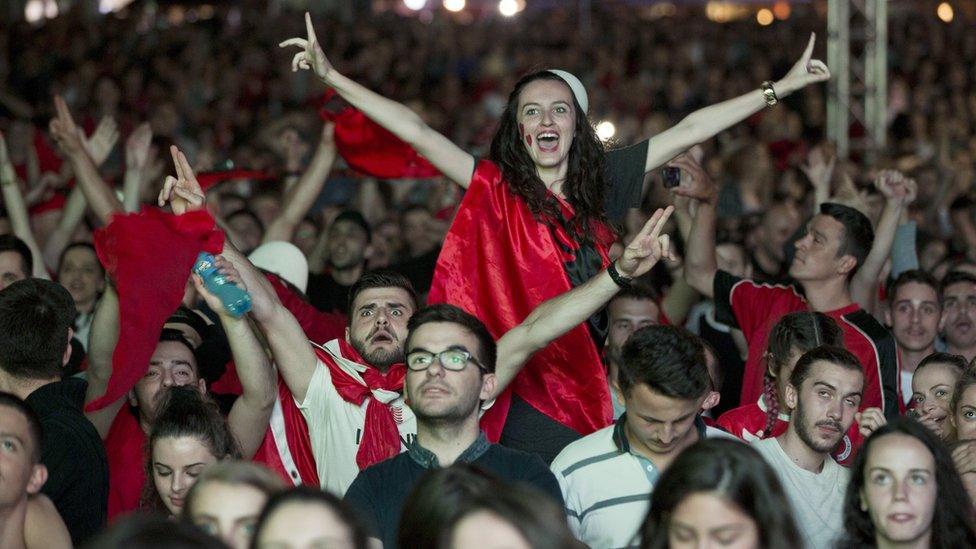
(125, 448)
(755, 308)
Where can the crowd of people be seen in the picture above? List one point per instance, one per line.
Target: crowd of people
(470, 321)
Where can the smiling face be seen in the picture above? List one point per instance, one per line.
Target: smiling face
(825, 404)
(932, 388)
(378, 325)
(176, 464)
(900, 489)
(81, 274)
(708, 520)
(964, 418)
(817, 253)
(914, 316)
(546, 119)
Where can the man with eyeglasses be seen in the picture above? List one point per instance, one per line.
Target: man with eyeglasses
(454, 367)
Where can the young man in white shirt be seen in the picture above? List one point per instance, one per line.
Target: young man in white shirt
(824, 393)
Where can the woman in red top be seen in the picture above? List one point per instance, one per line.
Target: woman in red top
(534, 223)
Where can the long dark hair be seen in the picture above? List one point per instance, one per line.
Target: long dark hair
(185, 412)
(308, 495)
(585, 186)
(734, 471)
(444, 497)
(952, 523)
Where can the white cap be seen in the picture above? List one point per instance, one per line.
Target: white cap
(579, 92)
(283, 259)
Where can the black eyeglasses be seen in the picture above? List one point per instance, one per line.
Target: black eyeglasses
(451, 359)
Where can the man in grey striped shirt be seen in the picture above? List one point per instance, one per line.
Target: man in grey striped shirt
(607, 477)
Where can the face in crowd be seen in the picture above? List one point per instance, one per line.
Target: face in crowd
(82, 275)
(176, 464)
(914, 316)
(446, 378)
(626, 315)
(824, 404)
(932, 389)
(959, 315)
(172, 364)
(378, 324)
(348, 244)
(818, 252)
(12, 268)
(547, 121)
(21, 473)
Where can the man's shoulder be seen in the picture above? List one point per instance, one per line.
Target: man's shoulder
(596, 446)
(510, 458)
(864, 323)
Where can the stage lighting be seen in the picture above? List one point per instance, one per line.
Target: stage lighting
(781, 10)
(945, 13)
(764, 17)
(605, 130)
(415, 5)
(454, 5)
(510, 8)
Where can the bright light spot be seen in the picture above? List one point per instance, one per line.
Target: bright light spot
(945, 13)
(508, 8)
(764, 17)
(725, 11)
(34, 11)
(781, 10)
(605, 130)
(415, 4)
(108, 6)
(454, 5)
(50, 9)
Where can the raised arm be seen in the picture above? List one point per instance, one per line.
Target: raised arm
(13, 199)
(700, 264)
(898, 191)
(137, 160)
(102, 338)
(292, 352)
(248, 418)
(71, 142)
(300, 197)
(560, 314)
(707, 122)
(447, 157)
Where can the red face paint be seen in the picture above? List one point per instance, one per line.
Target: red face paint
(528, 138)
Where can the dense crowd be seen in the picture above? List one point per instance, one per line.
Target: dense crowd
(468, 320)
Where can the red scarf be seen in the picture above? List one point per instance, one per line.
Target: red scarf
(381, 438)
(150, 285)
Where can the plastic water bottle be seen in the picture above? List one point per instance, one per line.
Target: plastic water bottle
(236, 301)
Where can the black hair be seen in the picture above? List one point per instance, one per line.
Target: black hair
(36, 317)
(955, 277)
(380, 278)
(837, 356)
(248, 213)
(669, 360)
(309, 495)
(153, 531)
(639, 291)
(858, 234)
(443, 312)
(957, 362)
(356, 218)
(584, 187)
(800, 330)
(734, 471)
(952, 524)
(184, 412)
(917, 276)
(445, 497)
(34, 427)
(10, 243)
(172, 334)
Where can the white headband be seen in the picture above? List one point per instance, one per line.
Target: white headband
(579, 92)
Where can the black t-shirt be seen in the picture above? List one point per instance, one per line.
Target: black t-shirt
(625, 175)
(326, 294)
(379, 492)
(74, 455)
(419, 270)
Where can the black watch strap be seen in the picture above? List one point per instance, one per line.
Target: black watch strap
(617, 278)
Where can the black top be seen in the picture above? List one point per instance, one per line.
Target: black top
(74, 455)
(419, 270)
(625, 173)
(379, 492)
(326, 294)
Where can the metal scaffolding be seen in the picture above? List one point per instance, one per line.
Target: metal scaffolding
(857, 54)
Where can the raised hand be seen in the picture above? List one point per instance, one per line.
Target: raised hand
(102, 142)
(648, 247)
(869, 420)
(819, 168)
(312, 57)
(230, 273)
(68, 136)
(137, 148)
(183, 192)
(7, 174)
(806, 71)
(695, 182)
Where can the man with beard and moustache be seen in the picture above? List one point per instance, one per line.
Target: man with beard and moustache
(450, 372)
(913, 312)
(347, 393)
(825, 392)
(958, 323)
(349, 247)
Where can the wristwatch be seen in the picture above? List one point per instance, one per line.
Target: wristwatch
(769, 94)
(618, 278)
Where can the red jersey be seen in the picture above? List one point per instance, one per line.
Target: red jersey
(125, 448)
(755, 308)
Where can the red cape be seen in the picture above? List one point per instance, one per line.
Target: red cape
(499, 263)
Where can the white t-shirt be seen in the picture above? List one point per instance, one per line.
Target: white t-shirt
(335, 426)
(906, 386)
(817, 498)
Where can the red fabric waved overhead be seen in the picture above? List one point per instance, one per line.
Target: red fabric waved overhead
(368, 147)
(499, 263)
(149, 256)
